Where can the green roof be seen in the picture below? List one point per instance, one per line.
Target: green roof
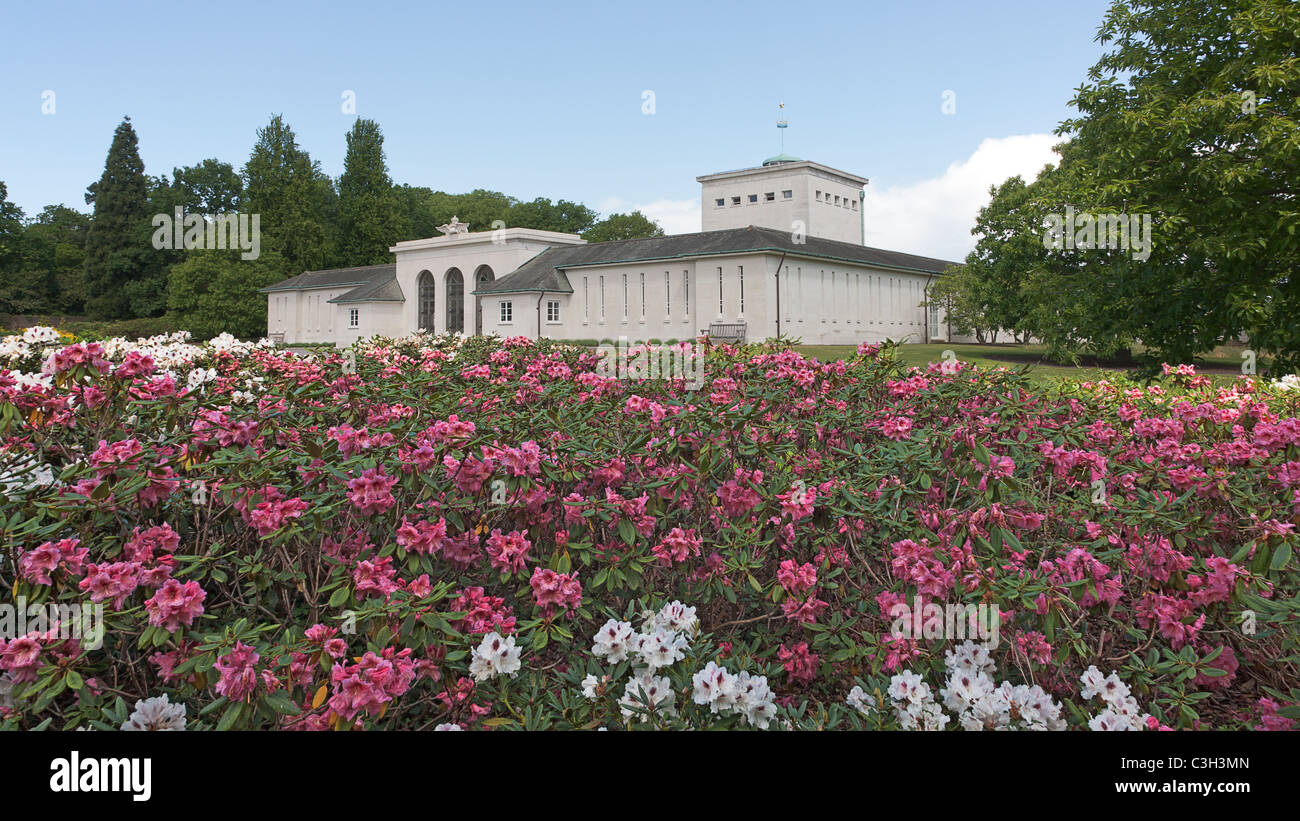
(780, 158)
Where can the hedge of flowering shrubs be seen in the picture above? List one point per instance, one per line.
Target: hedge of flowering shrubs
(435, 533)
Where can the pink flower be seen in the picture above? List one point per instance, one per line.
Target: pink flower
(318, 633)
(142, 545)
(423, 536)
(677, 546)
(508, 551)
(897, 428)
(238, 676)
(737, 496)
(420, 586)
(376, 577)
(371, 683)
(36, 565)
(175, 604)
(796, 579)
(799, 663)
(269, 517)
(111, 581)
(371, 492)
(483, 614)
(21, 657)
(553, 590)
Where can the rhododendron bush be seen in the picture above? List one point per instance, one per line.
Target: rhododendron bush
(435, 533)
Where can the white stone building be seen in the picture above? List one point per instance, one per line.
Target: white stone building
(780, 254)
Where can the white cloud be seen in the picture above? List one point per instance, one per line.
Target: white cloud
(674, 216)
(934, 217)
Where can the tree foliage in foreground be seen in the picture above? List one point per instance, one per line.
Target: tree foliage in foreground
(1191, 117)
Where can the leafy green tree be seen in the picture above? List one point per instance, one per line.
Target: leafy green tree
(480, 209)
(1191, 117)
(113, 253)
(957, 294)
(294, 199)
(623, 226)
(210, 187)
(54, 259)
(19, 294)
(215, 291)
(368, 220)
(544, 215)
(146, 292)
(11, 232)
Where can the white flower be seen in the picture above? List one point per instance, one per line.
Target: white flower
(1106, 721)
(964, 688)
(754, 699)
(908, 686)
(661, 648)
(448, 728)
(1092, 680)
(715, 687)
(614, 641)
(40, 335)
(495, 656)
(589, 685)
(156, 714)
(646, 691)
(927, 716)
(861, 701)
(970, 656)
(673, 616)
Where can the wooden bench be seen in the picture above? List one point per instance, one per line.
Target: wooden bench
(727, 331)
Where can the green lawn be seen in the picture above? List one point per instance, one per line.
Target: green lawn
(1222, 365)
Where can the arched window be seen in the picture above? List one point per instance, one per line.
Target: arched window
(482, 276)
(455, 301)
(426, 300)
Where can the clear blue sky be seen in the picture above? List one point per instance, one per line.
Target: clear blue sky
(536, 99)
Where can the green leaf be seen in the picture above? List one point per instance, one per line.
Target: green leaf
(231, 715)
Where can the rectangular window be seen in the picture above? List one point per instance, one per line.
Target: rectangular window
(735, 200)
(586, 301)
(507, 311)
(823, 300)
(719, 290)
(686, 294)
(819, 196)
(354, 318)
(668, 297)
(855, 205)
(741, 270)
(602, 298)
(787, 194)
(770, 196)
(798, 272)
(753, 198)
(552, 311)
(643, 295)
(625, 297)
(721, 202)
(837, 199)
